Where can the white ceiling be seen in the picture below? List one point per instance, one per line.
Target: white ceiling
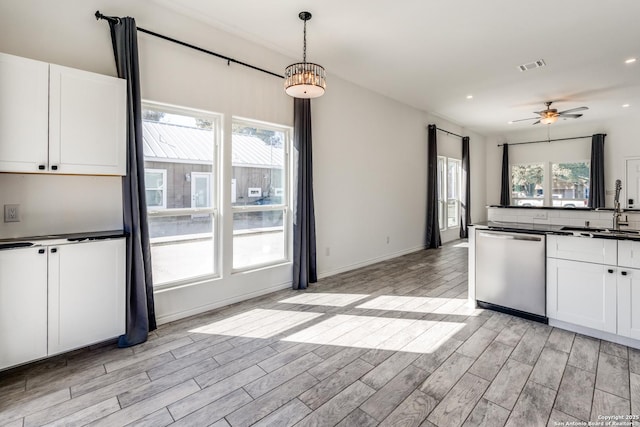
(432, 54)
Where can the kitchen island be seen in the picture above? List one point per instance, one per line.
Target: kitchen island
(592, 277)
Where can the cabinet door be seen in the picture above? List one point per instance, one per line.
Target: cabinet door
(629, 303)
(24, 114)
(23, 306)
(582, 293)
(86, 293)
(87, 123)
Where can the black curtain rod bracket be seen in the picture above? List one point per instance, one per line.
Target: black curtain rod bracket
(99, 15)
(548, 140)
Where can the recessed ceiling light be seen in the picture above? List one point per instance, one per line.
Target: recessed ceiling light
(625, 105)
(469, 96)
(630, 61)
(509, 123)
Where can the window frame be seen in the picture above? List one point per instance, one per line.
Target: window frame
(287, 200)
(545, 178)
(443, 193)
(215, 178)
(547, 183)
(584, 200)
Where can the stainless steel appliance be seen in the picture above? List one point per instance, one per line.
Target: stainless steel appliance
(511, 272)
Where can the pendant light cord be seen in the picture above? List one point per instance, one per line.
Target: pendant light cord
(304, 48)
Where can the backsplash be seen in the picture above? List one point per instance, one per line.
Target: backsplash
(560, 217)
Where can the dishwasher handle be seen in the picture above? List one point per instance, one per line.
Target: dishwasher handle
(511, 236)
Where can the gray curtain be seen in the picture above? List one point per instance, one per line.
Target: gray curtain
(596, 174)
(304, 227)
(433, 225)
(465, 204)
(505, 182)
(139, 293)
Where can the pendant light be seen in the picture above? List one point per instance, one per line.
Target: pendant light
(305, 79)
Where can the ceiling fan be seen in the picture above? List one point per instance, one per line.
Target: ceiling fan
(551, 115)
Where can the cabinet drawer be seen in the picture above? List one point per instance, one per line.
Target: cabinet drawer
(629, 253)
(599, 251)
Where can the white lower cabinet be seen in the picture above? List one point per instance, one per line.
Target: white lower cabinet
(86, 294)
(60, 297)
(23, 305)
(582, 293)
(629, 303)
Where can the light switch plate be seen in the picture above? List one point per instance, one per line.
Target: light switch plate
(11, 213)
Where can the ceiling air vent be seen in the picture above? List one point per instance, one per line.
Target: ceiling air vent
(535, 64)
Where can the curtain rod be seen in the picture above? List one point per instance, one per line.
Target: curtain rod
(549, 140)
(450, 133)
(99, 16)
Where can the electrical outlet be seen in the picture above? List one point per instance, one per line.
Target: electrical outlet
(327, 251)
(388, 240)
(11, 213)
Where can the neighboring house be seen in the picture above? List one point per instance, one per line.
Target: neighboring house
(178, 165)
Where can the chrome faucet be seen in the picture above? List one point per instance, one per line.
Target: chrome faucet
(617, 211)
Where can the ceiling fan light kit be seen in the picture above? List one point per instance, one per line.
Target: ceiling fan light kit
(305, 79)
(551, 115)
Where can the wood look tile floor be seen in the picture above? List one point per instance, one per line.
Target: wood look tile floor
(392, 344)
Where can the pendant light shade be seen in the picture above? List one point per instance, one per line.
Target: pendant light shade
(305, 79)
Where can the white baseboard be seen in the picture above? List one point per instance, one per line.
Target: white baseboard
(370, 261)
(220, 303)
(607, 336)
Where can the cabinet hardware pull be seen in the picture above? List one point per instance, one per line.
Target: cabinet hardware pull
(54, 167)
(54, 250)
(610, 270)
(41, 251)
(624, 273)
(41, 167)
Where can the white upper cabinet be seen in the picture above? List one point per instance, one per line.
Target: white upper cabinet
(87, 125)
(56, 119)
(24, 114)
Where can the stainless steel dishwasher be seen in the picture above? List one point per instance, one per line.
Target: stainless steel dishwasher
(511, 272)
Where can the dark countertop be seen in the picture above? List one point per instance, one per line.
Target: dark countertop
(560, 208)
(18, 242)
(520, 227)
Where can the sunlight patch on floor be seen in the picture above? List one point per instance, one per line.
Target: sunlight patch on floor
(415, 304)
(461, 245)
(257, 323)
(325, 299)
(418, 336)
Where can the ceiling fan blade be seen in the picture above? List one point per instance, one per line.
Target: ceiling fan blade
(573, 110)
(524, 120)
(535, 123)
(570, 116)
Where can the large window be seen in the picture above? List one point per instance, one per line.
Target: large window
(449, 192)
(566, 185)
(180, 180)
(259, 194)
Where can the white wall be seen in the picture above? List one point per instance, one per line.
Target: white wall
(369, 151)
(621, 143)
